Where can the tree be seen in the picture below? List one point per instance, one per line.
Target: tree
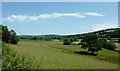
(9, 36)
(92, 42)
(13, 38)
(5, 34)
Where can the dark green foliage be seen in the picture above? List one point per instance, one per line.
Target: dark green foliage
(75, 39)
(113, 33)
(110, 46)
(71, 39)
(5, 34)
(119, 40)
(34, 38)
(92, 42)
(9, 36)
(42, 37)
(104, 43)
(65, 39)
(13, 38)
(68, 42)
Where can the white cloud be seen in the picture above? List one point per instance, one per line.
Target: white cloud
(33, 18)
(57, 15)
(93, 14)
(68, 14)
(21, 17)
(9, 19)
(13, 18)
(97, 27)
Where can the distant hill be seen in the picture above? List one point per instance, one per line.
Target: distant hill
(107, 33)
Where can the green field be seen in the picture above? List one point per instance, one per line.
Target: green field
(55, 55)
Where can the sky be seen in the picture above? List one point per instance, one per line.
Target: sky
(62, 18)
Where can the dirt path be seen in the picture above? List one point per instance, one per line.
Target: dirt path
(118, 44)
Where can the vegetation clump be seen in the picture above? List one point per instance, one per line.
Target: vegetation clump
(9, 36)
(108, 45)
(92, 42)
(67, 42)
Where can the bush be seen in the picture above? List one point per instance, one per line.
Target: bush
(108, 45)
(65, 39)
(11, 61)
(67, 42)
(14, 40)
(111, 46)
(75, 39)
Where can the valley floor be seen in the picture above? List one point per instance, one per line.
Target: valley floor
(55, 55)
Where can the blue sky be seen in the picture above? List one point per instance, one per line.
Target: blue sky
(59, 17)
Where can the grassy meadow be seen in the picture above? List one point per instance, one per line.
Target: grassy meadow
(55, 55)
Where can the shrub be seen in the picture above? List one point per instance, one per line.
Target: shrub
(75, 39)
(71, 39)
(14, 39)
(110, 46)
(65, 39)
(67, 42)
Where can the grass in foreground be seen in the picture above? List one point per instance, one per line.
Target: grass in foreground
(54, 55)
(12, 61)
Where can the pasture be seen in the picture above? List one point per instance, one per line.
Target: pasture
(55, 55)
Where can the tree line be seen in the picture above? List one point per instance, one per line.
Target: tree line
(41, 37)
(108, 33)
